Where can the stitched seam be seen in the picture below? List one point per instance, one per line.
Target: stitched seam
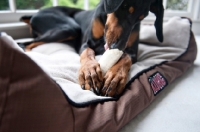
(74, 128)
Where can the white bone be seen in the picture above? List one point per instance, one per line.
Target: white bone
(109, 58)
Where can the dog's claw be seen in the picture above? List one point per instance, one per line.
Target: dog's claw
(83, 87)
(104, 89)
(97, 90)
(109, 89)
(91, 89)
(106, 95)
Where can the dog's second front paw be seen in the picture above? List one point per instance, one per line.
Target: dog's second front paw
(116, 77)
(114, 83)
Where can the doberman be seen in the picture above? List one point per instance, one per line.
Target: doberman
(112, 24)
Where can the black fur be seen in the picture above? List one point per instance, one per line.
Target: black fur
(58, 23)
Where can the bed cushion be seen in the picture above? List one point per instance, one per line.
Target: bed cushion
(34, 98)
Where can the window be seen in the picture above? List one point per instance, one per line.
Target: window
(31, 4)
(12, 10)
(187, 8)
(181, 5)
(4, 5)
(38, 4)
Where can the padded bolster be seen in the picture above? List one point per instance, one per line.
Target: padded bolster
(31, 101)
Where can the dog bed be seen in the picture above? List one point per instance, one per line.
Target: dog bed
(39, 90)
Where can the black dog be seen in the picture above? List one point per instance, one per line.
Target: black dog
(112, 24)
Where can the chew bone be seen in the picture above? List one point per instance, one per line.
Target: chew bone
(109, 58)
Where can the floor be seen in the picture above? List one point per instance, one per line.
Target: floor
(175, 110)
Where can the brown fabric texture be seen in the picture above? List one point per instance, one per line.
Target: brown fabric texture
(30, 101)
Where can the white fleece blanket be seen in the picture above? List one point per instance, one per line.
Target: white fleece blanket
(61, 62)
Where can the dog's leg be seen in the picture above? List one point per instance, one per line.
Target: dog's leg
(58, 35)
(132, 43)
(54, 24)
(90, 75)
(55, 35)
(32, 45)
(116, 77)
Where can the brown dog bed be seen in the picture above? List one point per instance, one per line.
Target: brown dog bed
(39, 90)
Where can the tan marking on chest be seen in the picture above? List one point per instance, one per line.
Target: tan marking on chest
(141, 17)
(114, 29)
(131, 9)
(132, 38)
(97, 29)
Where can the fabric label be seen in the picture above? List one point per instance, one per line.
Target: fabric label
(157, 82)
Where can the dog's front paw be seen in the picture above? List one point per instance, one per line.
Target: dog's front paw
(90, 76)
(116, 77)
